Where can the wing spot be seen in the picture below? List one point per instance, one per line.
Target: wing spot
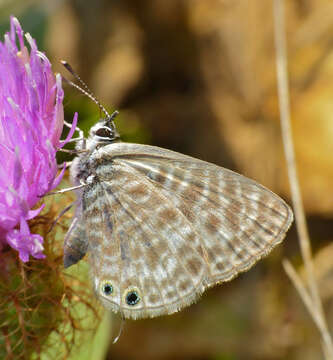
(214, 220)
(170, 295)
(169, 214)
(152, 260)
(124, 248)
(210, 228)
(201, 251)
(212, 255)
(194, 266)
(187, 212)
(161, 224)
(191, 195)
(217, 250)
(220, 266)
(185, 285)
(138, 191)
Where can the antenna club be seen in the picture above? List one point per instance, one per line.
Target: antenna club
(113, 115)
(67, 66)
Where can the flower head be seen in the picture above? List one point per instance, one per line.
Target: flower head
(31, 122)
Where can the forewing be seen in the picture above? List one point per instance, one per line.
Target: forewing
(238, 220)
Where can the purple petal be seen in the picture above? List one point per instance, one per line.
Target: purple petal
(33, 213)
(57, 180)
(31, 123)
(71, 131)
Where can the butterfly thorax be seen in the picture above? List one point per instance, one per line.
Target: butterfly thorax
(101, 134)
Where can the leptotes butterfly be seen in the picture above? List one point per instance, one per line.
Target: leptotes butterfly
(162, 227)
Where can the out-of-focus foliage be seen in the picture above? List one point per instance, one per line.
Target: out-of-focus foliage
(198, 76)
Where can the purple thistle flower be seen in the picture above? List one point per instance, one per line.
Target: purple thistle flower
(31, 122)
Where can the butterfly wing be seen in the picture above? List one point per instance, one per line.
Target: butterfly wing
(162, 227)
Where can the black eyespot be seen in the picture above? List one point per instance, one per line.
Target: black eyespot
(107, 289)
(104, 132)
(132, 298)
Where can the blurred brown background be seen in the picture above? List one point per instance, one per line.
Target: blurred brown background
(198, 76)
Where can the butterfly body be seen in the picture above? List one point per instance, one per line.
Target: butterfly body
(162, 227)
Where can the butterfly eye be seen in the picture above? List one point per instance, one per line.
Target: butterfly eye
(132, 298)
(104, 132)
(107, 288)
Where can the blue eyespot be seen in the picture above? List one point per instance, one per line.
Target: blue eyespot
(107, 288)
(132, 298)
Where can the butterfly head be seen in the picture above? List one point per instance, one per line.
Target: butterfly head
(104, 132)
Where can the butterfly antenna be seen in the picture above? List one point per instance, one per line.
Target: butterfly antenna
(86, 91)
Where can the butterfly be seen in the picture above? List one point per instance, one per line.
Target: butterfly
(161, 227)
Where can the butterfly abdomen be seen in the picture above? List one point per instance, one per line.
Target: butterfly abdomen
(76, 243)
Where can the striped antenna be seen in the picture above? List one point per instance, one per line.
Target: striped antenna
(86, 91)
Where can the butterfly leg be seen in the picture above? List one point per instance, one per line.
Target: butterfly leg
(66, 189)
(67, 208)
(75, 152)
(65, 163)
